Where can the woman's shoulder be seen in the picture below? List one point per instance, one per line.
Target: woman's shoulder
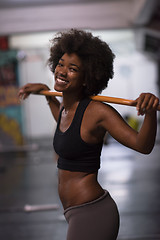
(101, 110)
(100, 106)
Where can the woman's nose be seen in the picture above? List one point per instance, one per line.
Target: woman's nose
(63, 71)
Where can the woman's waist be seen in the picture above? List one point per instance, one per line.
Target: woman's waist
(77, 188)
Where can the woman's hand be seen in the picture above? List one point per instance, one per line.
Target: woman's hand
(29, 88)
(146, 103)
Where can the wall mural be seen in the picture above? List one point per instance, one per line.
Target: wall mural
(10, 109)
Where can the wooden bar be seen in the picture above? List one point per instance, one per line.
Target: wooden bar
(99, 98)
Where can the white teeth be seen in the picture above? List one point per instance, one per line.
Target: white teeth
(61, 81)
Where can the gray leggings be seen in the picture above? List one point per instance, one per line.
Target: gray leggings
(96, 220)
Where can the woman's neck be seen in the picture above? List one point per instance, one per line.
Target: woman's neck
(70, 101)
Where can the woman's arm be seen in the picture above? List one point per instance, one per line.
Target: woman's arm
(29, 88)
(142, 141)
(146, 105)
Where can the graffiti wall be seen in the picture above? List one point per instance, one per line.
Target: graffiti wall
(10, 109)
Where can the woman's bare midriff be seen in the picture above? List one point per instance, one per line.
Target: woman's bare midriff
(76, 188)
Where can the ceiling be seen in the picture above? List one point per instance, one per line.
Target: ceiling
(22, 3)
(154, 21)
(23, 16)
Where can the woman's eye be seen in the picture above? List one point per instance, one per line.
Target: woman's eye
(73, 69)
(60, 64)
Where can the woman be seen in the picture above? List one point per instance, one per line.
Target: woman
(83, 65)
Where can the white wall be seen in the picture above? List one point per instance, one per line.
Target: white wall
(37, 117)
(134, 73)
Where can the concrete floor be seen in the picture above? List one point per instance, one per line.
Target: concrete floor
(30, 177)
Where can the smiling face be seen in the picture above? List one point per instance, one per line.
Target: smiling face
(69, 74)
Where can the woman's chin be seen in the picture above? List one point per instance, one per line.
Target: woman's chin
(57, 89)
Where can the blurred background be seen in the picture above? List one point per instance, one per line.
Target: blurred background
(27, 161)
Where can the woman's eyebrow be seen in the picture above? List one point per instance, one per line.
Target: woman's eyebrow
(72, 64)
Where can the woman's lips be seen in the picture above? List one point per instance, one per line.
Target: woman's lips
(61, 81)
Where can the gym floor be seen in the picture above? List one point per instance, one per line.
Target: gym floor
(30, 177)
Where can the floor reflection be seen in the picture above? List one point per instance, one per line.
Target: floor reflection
(30, 177)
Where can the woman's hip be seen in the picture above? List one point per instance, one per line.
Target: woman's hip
(98, 219)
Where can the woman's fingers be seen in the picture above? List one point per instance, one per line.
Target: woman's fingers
(24, 92)
(146, 102)
(29, 88)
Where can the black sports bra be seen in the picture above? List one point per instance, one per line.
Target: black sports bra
(74, 153)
